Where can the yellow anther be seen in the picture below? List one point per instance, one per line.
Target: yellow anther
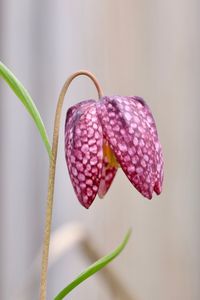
(107, 152)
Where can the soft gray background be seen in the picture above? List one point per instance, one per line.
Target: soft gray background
(138, 47)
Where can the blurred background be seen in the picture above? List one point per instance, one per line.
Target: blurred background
(135, 47)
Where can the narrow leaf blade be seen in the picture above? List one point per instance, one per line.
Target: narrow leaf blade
(27, 101)
(97, 266)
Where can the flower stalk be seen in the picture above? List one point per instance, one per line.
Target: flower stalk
(51, 180)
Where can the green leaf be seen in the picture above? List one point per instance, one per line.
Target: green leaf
(98, 265)
(25, 98)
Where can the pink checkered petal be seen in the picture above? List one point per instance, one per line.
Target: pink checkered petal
(83, 150)
(149, 119)
(131, 139)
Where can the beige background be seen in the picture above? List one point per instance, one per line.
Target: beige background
(138, 47)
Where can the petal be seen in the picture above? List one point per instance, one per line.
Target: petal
(107, 176)
(83, 150)
(149, 119)
(132, 139)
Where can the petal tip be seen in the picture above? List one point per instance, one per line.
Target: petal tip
(158, 187)
(101, 196)
(147, 195)
(86, 202)
(87, 206)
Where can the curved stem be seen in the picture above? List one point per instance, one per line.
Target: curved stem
(51, 181)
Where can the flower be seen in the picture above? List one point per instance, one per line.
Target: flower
(101, 136)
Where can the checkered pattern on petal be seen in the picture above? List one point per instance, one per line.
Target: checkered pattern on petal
(83, 150)
(132, 139)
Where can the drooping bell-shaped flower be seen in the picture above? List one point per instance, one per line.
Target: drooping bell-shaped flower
(101, 136)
